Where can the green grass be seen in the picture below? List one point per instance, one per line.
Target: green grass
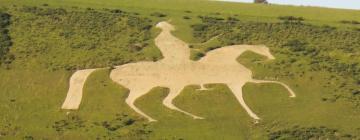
(32, 107)
(224, 117)
(31, 103)
(248, 12)
(78, 39)
(37, 107)
(34, 86)
(307, 109)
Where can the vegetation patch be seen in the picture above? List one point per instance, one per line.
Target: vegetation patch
(124, 126)
(56, 38)
(158, 14)
(5, 40)
(291, 19)
(308, 133)
(353, 22)
(71, 122)
(121, 127)
(8, 130)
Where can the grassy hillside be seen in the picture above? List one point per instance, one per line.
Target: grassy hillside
(176, 9)
(79, 38)
(44, 42)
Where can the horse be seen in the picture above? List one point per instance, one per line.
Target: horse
(175, 71)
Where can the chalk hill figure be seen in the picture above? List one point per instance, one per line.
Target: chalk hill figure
(176, 71)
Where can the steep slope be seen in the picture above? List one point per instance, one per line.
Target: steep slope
(317, 53)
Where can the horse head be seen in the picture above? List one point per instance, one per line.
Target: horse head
(259, 49)
(230, 53)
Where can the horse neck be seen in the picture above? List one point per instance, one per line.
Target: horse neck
(223, 56)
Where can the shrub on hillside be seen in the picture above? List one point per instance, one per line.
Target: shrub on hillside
(354, 22)
(295, 45)
(261, 1)
(5, 40)
(43, 11)
(117, 11)
(186, 17)
(291, 19)
(157, 14)
(307, 133)
(97, 38)
(4, 20)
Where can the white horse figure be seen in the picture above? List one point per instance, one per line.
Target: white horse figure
(176, 71)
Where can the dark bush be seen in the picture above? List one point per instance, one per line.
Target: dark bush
(117, 11)
(354, 22)
(198, 55)
(295, 45)
(199, 27)
(5, 40)
(261, 1)
(186, 17)
(307, 133)
(147, 27)
(211, 19)
(70, 123)
(137, 47)
(356, 92)
(129, 122)
(44, 11)
(232, 19)
(157, 14)
(4, 20)
(291, 19)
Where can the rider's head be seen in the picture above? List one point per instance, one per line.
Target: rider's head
(165, 26)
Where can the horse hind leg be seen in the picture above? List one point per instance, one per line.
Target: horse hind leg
(130, 100)
(291, 92)
(237, 91)
(168, 102)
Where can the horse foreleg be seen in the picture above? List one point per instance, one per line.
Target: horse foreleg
(75, 92)
(174, 92)
(292, 93)
(130, 100)
(237, 91)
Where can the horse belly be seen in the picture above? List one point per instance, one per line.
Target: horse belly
(138, 76)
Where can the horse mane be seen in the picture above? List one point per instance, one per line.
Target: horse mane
(229, 54)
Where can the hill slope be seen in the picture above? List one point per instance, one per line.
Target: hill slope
(317, 51)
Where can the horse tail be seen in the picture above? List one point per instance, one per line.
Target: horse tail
(74, 94)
